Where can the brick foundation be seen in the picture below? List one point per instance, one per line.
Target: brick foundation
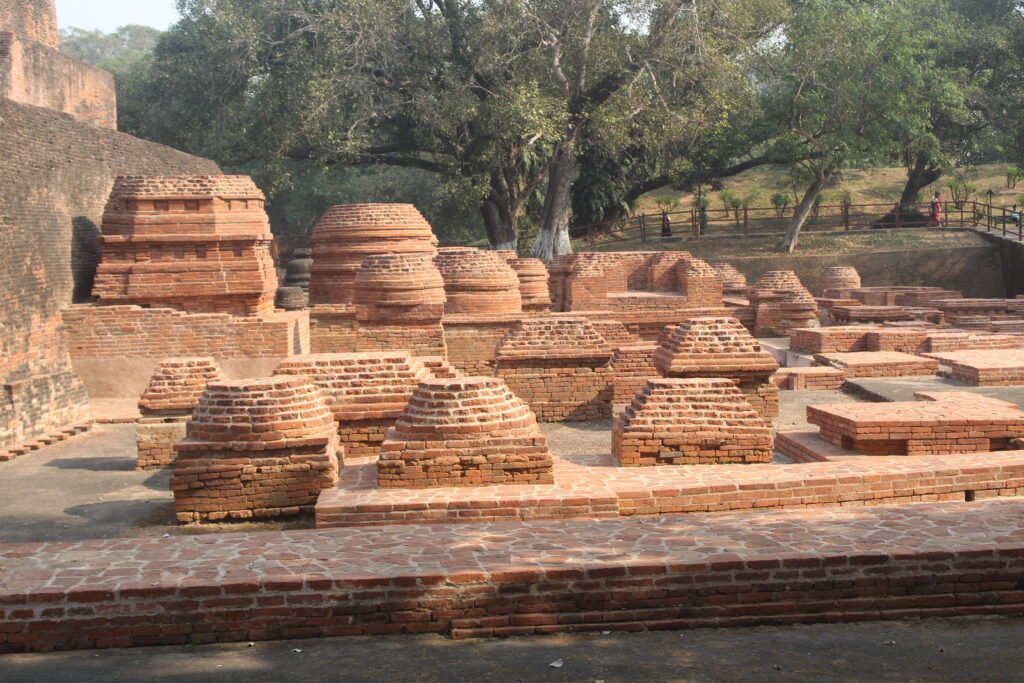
(810, 379)
(985, 368)
(879, 364)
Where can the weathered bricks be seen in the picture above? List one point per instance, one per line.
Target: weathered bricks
(985, 368)
(810, 379)
(468, 431)
(253, 449)
(734, 283)
(837, 281)
(879, 364)
(533, 284)
(781, 303)
(632, 366)
(478, 282)
(560, 366)
(690, 422)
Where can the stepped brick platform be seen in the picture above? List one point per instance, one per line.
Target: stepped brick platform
(560, 366)
(632, 367)
(956, 423)
(588, 486)
(255, 448)
(879, 364)
(614, 332)
(501, 579)
(914, 339)
(837, 281)
(478, 282)
(734, 283)
(469, 431)
(167, 404)
(810, 379)
(852, 315)
(690, 422)
(722, 347)
(845, 339)
(985, 368)
(199, 244)
(887, 296)
(366, 392)
(781, 303)
(533, 284)
(346, 235)
(925, 297)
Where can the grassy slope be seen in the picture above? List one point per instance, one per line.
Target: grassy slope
(868, 186)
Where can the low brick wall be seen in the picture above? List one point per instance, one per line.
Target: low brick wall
(560, 391)
(890, 563)
(810, 379)
(473, 342)
(155, 439)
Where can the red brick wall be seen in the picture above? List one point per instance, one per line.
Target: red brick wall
(32, 20)
(334, 329)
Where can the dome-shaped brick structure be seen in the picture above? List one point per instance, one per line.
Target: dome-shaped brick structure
(399, 287)
(697, 421)
(200, 244)
(470, 431)
(781, 283)
(366, 392)
(781, 304)
(346, 235)
(733, 280)
(165, 406)
(271, 443)
(533, 284)
(478, 282)
(840, 278)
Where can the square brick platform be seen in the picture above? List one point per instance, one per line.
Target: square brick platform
(879, 364)
(990, 368)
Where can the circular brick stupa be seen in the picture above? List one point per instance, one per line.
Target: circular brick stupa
(200, 244)
(471, 431)
(173, 392)
(271, 444)
(478, 282)
(399, 287)
(733, 281)
(840, 279)
(346, 235)
(781, 303)
(533, 284)
(696, 421)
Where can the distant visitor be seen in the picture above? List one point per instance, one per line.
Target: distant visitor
(935, 217)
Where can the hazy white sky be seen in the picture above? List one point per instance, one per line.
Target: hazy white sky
(107, 15)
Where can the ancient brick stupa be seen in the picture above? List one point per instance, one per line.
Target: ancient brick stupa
(471, 431)
(271, 444)
(734, 282)
(166, 405)
(533, 284)
(560, 366)
(199, 244)
(781, 303)
(346, 235)
(632, 367)
(690, 422)
(838, 281)
(722, 347)
(366, 392)
(478, 282)
(293, 294)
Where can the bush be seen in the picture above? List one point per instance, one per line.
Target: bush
(780, 202)
(1014, 175)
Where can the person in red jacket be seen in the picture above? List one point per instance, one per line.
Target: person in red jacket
(936, 217)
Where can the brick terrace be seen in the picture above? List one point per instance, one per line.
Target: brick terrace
(879, 364)
(985, 368)
(736, 569)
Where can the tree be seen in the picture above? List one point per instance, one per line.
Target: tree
(846, 80)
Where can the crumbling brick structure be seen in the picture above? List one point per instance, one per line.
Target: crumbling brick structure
(533, 284)
(632, 367)
(255, 448)
(199, 244)
(366, 392)
(33, 71)
(471, 431)
(810, 379)
(614, 332)
(478, 282)
(866, 314)
(722, 347)
(957, 424)
(166, 406)
(346, 235)
(781, 303)
(734, 283)
(560, 366)
(837, 281)
(690, 422)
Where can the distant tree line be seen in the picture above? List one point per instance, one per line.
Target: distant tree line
(510, 121)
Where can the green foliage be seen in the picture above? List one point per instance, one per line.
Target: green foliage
(961, 191)
(1014, 175)
(667, 202)
(780, 202)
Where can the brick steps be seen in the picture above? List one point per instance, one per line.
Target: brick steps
(12, 452)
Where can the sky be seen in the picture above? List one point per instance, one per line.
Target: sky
(108, 15)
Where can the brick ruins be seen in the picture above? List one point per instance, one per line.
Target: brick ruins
(690, 422)
(722, 347)
(781, 303)
(166, 406)
(478, 282)
(838, 281)
(366, 392)
(533, 284)
(469, 431)
(560, 366)
(254, 449)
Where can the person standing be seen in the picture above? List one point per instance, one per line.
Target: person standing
(936, 216)
(666, 225)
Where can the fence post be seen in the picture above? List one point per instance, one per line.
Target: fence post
(899, 218)
(590, 234)
(846, 216)
(693, 222)
(643, 227)
(746, 220)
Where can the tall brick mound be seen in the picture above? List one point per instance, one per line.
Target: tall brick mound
(734, 282)
(253, 449)
(167, 404)
(839, 281)
(399, 303)
(559, 365)
(781, 303)
(366, 392)
(632, 367)
(199, 244)
(722, 347)
(533, 284)
(345, 235)
(478, 282)
(690, 422)
(471, 431)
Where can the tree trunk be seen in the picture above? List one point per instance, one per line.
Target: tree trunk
(553, 235)
(499, 223)
(803, 209)
(920, 176)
